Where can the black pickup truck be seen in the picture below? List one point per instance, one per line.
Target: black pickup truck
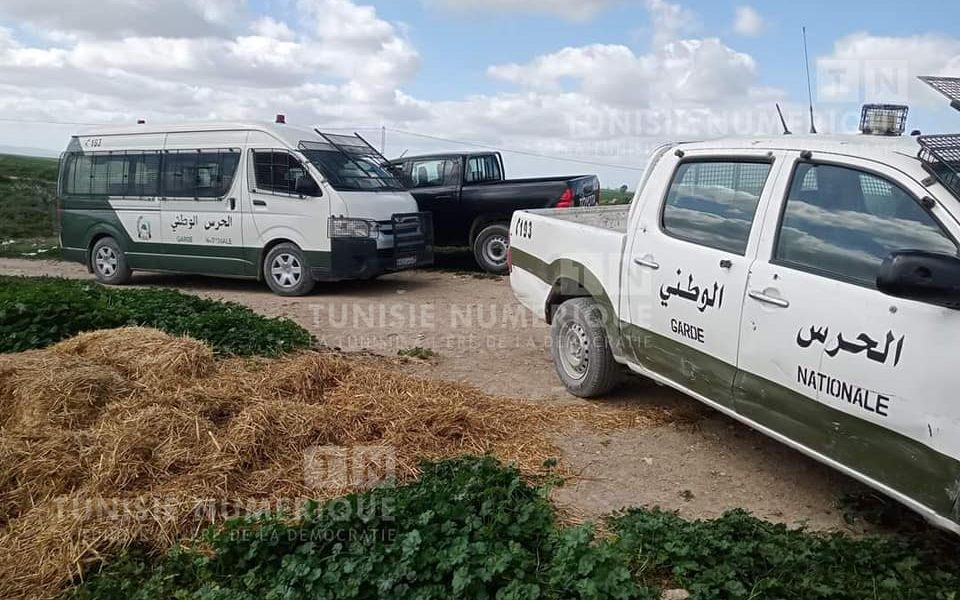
(472, 203)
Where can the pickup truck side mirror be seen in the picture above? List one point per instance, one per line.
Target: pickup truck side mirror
(922, 276)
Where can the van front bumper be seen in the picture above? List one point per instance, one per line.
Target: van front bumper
(359, 258)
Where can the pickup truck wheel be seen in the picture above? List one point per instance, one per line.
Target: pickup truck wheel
(287, 272)
(581, 353)
(109, 263)
(490, 248)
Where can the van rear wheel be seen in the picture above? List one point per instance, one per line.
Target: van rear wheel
(490, 248)
(109, 263)
(581, 351)
(286, 271)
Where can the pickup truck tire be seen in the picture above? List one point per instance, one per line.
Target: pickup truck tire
(490, 248)
(286, 271)
(108, 262)
(581, 352)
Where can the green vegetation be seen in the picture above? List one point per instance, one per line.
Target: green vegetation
(610, 196)
(417, 352)
(28, 188)
(470, 528)
(38, 312)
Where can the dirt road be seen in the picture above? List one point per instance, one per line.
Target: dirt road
(701, 466)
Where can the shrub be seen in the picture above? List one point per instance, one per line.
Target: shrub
(38, 312)
(739, 556)
(469, 528)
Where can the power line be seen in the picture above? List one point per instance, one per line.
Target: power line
(515, 151)
(378, 128)
(48, 122)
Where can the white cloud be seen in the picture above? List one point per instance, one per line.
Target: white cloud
(748, 21)
(574, 10)
(681, 73)
(670, 21)
(122, 18)
(341, 64)
(269, 27)
(869, 68)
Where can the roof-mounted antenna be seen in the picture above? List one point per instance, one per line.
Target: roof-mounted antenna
(786, 130)
(806, 59)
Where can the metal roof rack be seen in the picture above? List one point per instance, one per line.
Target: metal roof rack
(369, 164)
(940, 155)
(948, 86)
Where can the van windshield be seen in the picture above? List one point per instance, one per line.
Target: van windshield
(350, 164)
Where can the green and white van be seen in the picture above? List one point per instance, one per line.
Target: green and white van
(286, 205)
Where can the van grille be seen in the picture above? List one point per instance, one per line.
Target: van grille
(412, 232)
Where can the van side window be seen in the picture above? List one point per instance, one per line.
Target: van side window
(113, 174)
(713, 203)
(844, 222)
(280, 172)
(199, 174)
(145, 180)
(483, 168)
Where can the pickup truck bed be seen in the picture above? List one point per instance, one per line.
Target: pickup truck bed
(613, 218)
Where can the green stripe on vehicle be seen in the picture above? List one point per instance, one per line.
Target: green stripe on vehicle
(95, 217)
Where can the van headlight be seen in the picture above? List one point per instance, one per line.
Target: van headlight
(345, 227)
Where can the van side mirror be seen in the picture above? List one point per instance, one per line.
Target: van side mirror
(306, 186)
(922, 276)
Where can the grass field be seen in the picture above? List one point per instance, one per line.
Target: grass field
(28, 188)
(615, 196)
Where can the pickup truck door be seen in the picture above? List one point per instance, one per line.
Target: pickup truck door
(687, 265)
(831, 363)
(435, 183)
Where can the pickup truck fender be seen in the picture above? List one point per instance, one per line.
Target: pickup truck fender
(482, 221)
(569, 279)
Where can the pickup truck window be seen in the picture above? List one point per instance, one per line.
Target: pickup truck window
(713, 203)
(430, 173)
(483, 168)
(843, 223)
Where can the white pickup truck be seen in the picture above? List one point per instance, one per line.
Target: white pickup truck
(807, 286)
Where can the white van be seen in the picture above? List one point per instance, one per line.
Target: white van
(283, 204)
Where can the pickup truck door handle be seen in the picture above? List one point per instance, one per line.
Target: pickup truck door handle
(761, 297)
(644, 262)
(259, 203)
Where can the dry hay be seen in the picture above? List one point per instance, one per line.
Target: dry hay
(126, 436)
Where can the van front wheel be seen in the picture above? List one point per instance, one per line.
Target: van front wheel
(109, 263)
(287, 272)
(581, 352)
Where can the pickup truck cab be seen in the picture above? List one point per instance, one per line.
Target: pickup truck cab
(806, 286)
(472, 202)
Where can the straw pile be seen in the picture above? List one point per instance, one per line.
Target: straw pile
(126, 436)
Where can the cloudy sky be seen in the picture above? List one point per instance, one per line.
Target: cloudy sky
(567, 86)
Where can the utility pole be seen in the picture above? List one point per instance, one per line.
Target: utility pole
(383, 139)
